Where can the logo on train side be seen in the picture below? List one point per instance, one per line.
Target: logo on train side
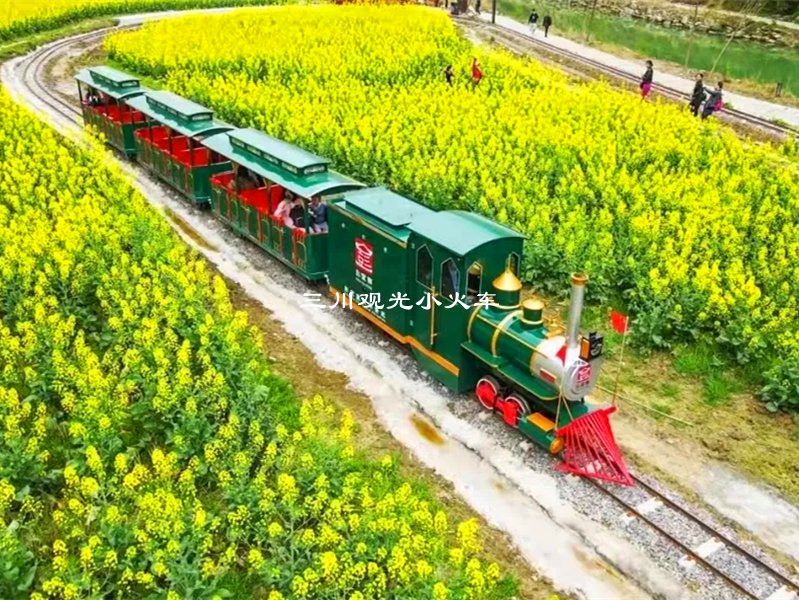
(364, 257)
(584, 375)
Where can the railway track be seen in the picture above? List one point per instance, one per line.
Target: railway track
(522, 43)
(642, 502)
(648, 505)
(33, 72)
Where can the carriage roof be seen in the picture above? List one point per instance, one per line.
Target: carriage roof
(287, 165)
(116, 84)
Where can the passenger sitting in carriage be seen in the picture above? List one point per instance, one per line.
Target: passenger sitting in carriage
(282, 210)
(93, 98)
(246, 180)
(297, 214)
(318, 215)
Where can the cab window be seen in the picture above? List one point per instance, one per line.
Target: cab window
(450, 278)
(424, 267)
(513, 263)
(474, 280)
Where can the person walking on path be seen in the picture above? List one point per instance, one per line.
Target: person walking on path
(448, 74)
(646, 80)
(546, 23)
(698, 94)
(477, 74)
(532, 22)
(477, 6)
(714, 102)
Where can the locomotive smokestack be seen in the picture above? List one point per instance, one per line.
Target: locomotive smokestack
(576, 307)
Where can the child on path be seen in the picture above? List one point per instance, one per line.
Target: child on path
(646, 80)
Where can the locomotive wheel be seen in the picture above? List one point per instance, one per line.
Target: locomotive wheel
(522, 408)
(487, 391)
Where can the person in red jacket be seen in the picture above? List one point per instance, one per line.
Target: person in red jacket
(477, 74)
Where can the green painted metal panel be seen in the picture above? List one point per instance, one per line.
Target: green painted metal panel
(128, 140)
(435, 326)
(116, 84)
(385, 210)
(538, 435)
(305, 254)
(173, 119)
(317, 245)
(513, 352)
(287, 156)
(366, 261)
(460, 232)
(113, 76)
(317, 184)
(179, 107)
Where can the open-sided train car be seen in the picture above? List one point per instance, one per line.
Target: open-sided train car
(170, 142)
(273, 168)
(104, 94)
(445, 283)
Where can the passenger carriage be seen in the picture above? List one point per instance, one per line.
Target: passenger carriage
(279, 167)
(170, 142)
(111, 115)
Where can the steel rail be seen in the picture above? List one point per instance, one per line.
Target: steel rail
(32, 72)
(726, 541)
(719, 536)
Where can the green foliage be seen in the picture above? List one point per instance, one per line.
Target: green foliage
(146, 448)
(670, 390)
(781, 391)
(718, 388)
(697, 360)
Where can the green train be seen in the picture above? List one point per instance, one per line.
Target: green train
(444, 283)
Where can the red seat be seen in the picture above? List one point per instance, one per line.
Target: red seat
(113, 113)
(275, 197)
(222, 179)
(153, 135)
(182, 156)
(257, 199)
(201, 157)
(132, 117)
(174, 145)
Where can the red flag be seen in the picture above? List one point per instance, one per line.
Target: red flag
(561, 354)
(619, 321)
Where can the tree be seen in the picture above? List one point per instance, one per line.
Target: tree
(691, 31)
(590, 21)
(749, 8)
